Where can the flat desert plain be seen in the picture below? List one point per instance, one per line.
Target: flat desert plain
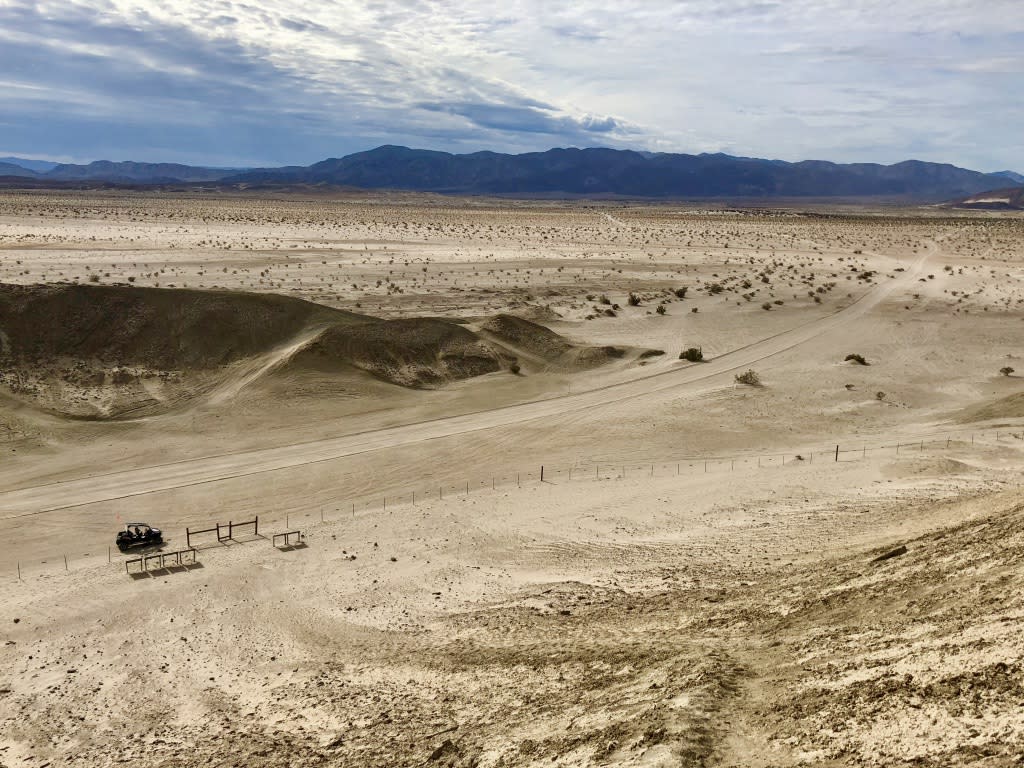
(532, 532)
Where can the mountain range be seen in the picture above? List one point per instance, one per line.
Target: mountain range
(556, 173)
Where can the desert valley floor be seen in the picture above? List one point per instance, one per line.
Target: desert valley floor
(822, 566)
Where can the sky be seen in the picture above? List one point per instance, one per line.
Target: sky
(290, 82)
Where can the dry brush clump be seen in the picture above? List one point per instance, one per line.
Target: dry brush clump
(749, 377)
(692, 354)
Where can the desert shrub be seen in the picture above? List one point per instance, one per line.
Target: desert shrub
(515, 368)
(94, 278)
(661, 309)
(610, 313)
(858, 359)
(681, 292)
(766, 306)
(692, 354)
(605, 300)
(694, 310)
(634, 300)
(1006, 370)
(715, 288)
(879, 395)
(749, 377)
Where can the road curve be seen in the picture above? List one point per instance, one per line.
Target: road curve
(36, 500)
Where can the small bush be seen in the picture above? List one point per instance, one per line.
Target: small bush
(766, 306)
(1006, 370)
(681, 292)
(634, 300)
(692, 354)
(879, 395)
(515, 368)
(605, 300)
(694, 310)
(858, 359)
(750, 378)
(661, 309)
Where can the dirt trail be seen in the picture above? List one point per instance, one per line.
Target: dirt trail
(254, 368)
(61, 495)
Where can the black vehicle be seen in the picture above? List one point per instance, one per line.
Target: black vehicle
(138, 535)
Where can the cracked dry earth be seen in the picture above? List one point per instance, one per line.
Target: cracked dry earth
(835, 661)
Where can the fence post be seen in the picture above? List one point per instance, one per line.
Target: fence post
(837, 453)
(542, 473)
(19, 570)
(65, 562)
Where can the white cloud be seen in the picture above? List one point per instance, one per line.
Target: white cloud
(836, 79)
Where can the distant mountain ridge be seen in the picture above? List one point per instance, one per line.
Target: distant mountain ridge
(38, 166)
(597, 172)
(591, 172)
(1016, 178)
(150, 173)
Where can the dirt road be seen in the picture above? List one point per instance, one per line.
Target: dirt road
(35, 500)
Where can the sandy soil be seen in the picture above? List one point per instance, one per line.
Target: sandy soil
(635, 608)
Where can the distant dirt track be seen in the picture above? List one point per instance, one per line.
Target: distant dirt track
(34, 500)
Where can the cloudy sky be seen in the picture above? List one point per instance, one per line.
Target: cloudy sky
(274, 82)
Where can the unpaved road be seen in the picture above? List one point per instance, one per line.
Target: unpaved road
(34, 500)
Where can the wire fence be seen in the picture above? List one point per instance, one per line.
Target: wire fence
(340, 509)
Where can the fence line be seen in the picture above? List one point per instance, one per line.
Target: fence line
(341, 509)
